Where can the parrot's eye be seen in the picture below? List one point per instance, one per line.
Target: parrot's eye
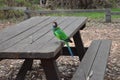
(53, 24)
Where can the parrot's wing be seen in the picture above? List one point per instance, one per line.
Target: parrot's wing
(61, 34)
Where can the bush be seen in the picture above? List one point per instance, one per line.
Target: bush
(16, 3)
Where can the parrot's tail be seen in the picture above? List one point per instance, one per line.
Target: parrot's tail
(69, 49)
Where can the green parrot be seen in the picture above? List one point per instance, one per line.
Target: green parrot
(60, 34)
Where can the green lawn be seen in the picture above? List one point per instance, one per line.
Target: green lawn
(93, 15)
(115, 9)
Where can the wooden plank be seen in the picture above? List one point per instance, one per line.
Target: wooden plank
(108, 15)
(18, 8)
(50, 68)
(57, 46)
(79, 76)
(87, 61)
(33, 46)
(75, 26)
(13, 8)
(79, 45)
(115, 13)
(48, 36)
(100, 62)
(65, 11)
(25, 36)
(11, 32)
(38, 34)
(25, 67)
(10, 42)
(65, 51)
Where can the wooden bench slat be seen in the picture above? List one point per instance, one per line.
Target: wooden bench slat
(87, 62)
(100, 62)
(94, 62)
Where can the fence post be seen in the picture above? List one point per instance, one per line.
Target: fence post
(27, 13)
(108, 15)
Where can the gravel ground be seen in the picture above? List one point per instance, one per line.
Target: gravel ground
(96, 29)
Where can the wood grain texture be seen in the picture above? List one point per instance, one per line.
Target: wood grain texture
(87, 61)
(24, 68)
(12, 35)
(100, 63)
(95, 60)
(34, 38)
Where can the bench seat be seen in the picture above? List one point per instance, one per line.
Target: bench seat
(93, 64)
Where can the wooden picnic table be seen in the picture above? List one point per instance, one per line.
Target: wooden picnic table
(34, 39)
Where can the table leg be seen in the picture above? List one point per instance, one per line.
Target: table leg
(50, 68)
(25, 67)
(79, 45)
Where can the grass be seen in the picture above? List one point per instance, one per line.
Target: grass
(92, 15)
(115, 9)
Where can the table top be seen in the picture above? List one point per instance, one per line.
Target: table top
(33, 38)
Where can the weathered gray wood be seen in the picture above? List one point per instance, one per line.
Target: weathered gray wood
(94, 61)
(108, 15)
(78, 42)
(45, 30)
(25, 67)
(75, 26)
(99, 66)
(50, 68)
(14, 37)
(65, 51)
(79, 75)
(79, 45)
(25, 36)
(27, 14)
(13, 31)
(66, 11)
(13, 8)
(87, 60)
(54, 42)
(115, 13)
(108, 12)
(41, 30)
(34, 39)
(35, 45)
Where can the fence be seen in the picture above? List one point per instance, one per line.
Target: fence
(108, 12)
(7, 11)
